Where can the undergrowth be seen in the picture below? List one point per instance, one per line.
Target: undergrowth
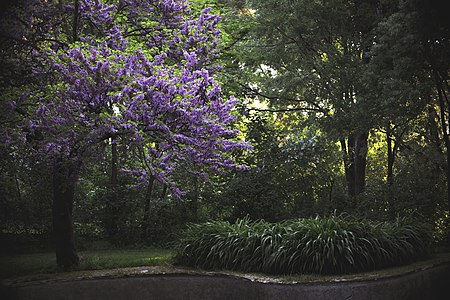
(331, 245)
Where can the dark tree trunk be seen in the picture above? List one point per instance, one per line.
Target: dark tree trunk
(163, 193)
(435, 140)
(443, 100)
(19, 193)
(112, 227)
(434, 127)
(65, 175)
(114, 164)
(447, 146)
(330, 192)
(64, 179)
(348, 165)
(391, 155)
(355, 159)
(75, 21)
(194, 199)
(360, 162)
(148, 199)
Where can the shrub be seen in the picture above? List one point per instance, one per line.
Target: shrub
(332, 245)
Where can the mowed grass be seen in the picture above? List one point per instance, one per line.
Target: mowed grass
(42, 263)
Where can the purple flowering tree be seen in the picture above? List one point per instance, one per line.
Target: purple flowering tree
(139, 73)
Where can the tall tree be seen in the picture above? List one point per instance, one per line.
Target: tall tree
(409, 73)
(141, 73)
(433, 28)
(310, 56)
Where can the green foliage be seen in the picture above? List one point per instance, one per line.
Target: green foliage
(332, 245)
(293, 173)
(44, 263)
(277, 55)
(441, 233)
(25, 196)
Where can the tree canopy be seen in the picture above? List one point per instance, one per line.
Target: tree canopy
(127, 119)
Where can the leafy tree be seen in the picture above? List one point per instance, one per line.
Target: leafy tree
(293, 172)
(434, 35)
(408, 70)
(137, 73)
(310, 56)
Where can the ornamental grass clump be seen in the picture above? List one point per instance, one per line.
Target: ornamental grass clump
(332, 245)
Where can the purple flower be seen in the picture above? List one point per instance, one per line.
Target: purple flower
(150, 87)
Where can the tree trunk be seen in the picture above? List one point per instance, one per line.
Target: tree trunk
(163, 193)
(348, 155)
(361, 144)
(75, 21)
(65, 175)
(444, 124)
(148, 198)
(64, 179)
(355, 159)
(112, 227)
(194, 199)
(391, 155)
(433, 129)
(447, 147)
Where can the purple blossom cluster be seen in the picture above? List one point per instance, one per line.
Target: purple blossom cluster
(141, 74)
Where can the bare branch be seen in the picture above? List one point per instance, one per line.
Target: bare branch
(315, 106)
(283, 109)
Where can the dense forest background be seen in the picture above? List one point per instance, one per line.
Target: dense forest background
(345, 104)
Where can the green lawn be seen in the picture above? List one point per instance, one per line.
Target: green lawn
(40, 263)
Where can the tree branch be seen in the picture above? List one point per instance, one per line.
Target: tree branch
(283, 109)
(315, 106)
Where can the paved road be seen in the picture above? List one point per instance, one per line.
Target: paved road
(429, 284)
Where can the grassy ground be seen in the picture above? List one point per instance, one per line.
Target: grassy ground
(43, 266)
(40, 263)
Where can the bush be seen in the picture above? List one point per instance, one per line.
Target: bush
(332, 245)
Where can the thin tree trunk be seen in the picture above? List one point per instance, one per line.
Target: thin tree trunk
(195, 196)
(392, 150)
(114, 164)
(75, 21)
(435, 140)
(330, 193)
(391, 155)
(19, 193)
(434, 128)
(447, 144)
(444, 125)
(361, 147)
(64, 179)
(163, 193)
(148, 198)
(348, 166)
(112, 223)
